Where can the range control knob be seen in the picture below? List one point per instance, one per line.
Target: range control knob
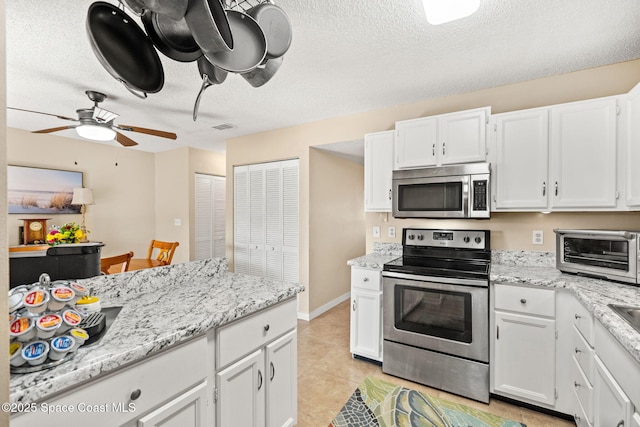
(466, 239)
(478, 240)
(420, 237)
(411, 237)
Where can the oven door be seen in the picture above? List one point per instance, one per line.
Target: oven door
(437, 314)
(431, 197)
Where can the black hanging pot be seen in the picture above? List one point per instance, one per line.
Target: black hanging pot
(123, 49)
(172, 37)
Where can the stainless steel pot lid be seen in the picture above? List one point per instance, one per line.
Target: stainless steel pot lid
(250, 45)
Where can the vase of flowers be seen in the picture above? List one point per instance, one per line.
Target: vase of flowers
(68, 233)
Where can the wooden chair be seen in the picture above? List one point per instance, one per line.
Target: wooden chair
(108, 262)
(166, 251)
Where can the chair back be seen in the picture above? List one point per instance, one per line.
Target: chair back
(165, 251)
(107, 262)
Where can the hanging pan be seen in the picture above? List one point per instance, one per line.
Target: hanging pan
(211, 75)
(250, 45)
(174, 9)
(172, 37)
(124, 50)
(263, 73)
(209, 25)
(276, 26)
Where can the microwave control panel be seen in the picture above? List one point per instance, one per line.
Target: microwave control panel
(480, 199)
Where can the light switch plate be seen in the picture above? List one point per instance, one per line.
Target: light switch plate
(392, 231)
(177, 222)
(376, 231)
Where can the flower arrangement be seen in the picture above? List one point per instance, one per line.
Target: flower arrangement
(68, 233)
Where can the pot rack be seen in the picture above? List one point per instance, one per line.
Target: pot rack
(244, 5)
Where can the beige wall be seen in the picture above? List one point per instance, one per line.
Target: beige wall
(512, 231)
(336, 220)
(4, 265)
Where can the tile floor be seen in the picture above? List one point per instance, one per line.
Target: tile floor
(328, 375)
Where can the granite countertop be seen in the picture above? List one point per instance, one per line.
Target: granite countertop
(161, 307)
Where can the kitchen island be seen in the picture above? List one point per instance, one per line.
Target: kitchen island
(161, 309)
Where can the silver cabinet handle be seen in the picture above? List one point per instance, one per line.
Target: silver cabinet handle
(578, 316)
(273, 371)
(354, 305)
(497, 332)
(575, 384)
(266, 327)
(523, 301)
(365, 279)
(620, 424)
(443, 148)
(135, 394)
(544, 188)
(389, 194)
(556, 186)
(259, 379)
(578, 351)
(433, 150)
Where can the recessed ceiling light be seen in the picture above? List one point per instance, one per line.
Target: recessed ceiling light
(441, 11)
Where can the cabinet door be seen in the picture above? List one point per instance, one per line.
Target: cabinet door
(462, 136)
(583, 154)
(187, 410)
(282, 385)
(632, 154)
(525, 357)
(521, 159)
(241, 396)
(612, 406)
(366, 324)
(378, 168)
(415, 143)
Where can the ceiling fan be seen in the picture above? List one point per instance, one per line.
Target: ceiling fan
(97, 124)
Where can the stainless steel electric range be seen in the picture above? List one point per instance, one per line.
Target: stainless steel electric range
(436, 311)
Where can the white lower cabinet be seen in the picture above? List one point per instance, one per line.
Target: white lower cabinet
(612, 407)
(170, 385)
(366, 313)
(260, 387)
(186, 410)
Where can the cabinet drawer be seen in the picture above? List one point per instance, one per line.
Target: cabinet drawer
(578, 414)
(247, 334)
(363, 278)
(583, 390)
(583, 354)
(540, 302)
(583, 321)
(158, 379)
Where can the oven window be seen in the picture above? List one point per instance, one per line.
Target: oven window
(597, 252)
(436, 197)
(433, 312)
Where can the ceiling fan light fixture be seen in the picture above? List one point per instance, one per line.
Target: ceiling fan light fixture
(96, 132)
(442, 11)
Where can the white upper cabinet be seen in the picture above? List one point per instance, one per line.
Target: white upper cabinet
(520, 164)
(583, 154)
(378, 168)
(632, 148)
(439, 140)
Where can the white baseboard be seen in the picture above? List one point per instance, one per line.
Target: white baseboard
(328, 306)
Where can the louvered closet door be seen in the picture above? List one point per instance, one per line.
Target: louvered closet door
(257, 219)
(273, 222)
(241, 219)
(290, 220)
(209, 216)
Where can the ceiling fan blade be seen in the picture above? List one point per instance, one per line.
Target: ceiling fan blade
(125, 140)
(47, 114)
(53, 129)
(153, 132)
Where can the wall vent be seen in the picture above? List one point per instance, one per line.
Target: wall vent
(223, 126)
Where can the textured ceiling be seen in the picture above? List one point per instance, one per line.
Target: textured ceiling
(346, 57)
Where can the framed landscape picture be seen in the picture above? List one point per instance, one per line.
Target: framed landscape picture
(41, 191)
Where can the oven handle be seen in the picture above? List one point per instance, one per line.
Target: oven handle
(445, 280)
(625, 234)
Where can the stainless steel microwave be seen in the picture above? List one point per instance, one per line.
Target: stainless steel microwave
(455, 191)
(607, 254)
